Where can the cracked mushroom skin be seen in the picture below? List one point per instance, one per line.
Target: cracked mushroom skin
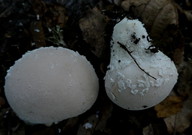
(51, 84)
(139, 75)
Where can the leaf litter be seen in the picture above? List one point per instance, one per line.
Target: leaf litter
(84, 27)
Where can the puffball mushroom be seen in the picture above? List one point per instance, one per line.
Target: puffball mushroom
(50, 84)
(139, 75)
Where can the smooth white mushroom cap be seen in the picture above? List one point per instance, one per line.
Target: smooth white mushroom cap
(48, 85)
(140, 81)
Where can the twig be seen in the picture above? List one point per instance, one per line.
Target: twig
(129, 52)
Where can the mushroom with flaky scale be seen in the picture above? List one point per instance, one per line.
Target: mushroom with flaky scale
(139, 75)
(50, 84)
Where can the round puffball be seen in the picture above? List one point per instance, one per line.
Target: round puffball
(138, 78)
(50, 84)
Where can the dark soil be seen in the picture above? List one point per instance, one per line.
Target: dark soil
(29, 24)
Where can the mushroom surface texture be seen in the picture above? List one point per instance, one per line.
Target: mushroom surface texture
(139, 75)
(51, 84)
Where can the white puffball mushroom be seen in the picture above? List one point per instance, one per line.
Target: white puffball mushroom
(139, 75)
(51, 84)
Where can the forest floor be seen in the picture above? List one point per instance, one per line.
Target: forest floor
(86, 26)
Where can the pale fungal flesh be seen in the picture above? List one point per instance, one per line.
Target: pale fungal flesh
(139, 76)
(48, 85)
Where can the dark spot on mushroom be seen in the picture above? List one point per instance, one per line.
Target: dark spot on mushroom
(119, 61)
(145, 106)
(152, 49)
(133, 36)
(143, 36)
(135, 39)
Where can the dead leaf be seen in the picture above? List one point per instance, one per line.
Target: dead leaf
(37, 33)
(182, 120)
(70, 124)
(2, 101)
(88, 127)
(106, 114)
(155, 14)
(187, 13)
(55, 15)
(93, 28)
(62, 15)
(170, 106)
(117, 2)
(97, 122)
(39, 6)
(148, 130)
(184, 83)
